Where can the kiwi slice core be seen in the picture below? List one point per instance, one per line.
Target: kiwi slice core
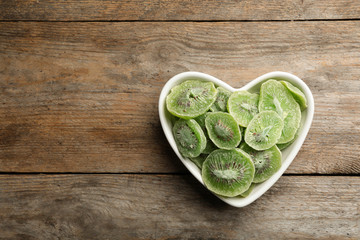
(222, 131)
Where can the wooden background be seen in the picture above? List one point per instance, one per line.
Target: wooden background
(82, 152)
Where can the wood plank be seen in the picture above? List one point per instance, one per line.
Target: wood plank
(91, 10)
(173, 207)
(82, 97)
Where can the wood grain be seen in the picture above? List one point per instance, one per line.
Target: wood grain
(165, 10)
(82, 97)
(173, 207)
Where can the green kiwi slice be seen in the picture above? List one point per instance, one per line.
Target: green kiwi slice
(189, 137)
(223, 130)
(266, 162)
(247, 192)
(274, 96)
(228, 172)
(264, 130)
(297, 94)
(191, 98)
(243, 106)
(209, 144)
(199, 160)
(221, 100)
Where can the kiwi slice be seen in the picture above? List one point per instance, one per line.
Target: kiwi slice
(243, 106)
(191, 98)
(297, 94)
(228, 172)
(264, 130)
(247, 192)
(223, 130)
(266, 162)
(221, 100)
(274, 96)
(199, 160)
(189, 137)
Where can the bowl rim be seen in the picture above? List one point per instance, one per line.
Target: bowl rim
(307, 114)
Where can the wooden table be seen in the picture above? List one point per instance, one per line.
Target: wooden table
(82, 152)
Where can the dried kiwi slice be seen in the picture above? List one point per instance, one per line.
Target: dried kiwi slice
(228, 172)
(264, 130)
(221, 100)
(191, 98)
(189, 137)
(199, 160)
(274, 96)
(266, 162)
(297, 94)
(210, 146)
(243, 106)
(223, 130)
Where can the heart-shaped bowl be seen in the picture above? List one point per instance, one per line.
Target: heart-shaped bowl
(288, 154)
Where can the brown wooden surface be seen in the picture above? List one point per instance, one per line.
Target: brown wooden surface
(85, 10)
(82, 97)
(79, 86)
(174, 207)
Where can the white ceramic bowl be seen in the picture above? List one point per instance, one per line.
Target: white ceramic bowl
(287, 155)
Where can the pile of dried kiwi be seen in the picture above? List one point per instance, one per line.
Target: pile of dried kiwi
(235, 138)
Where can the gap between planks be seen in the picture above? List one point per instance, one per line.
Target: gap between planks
(196, 21)
(162, 173)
